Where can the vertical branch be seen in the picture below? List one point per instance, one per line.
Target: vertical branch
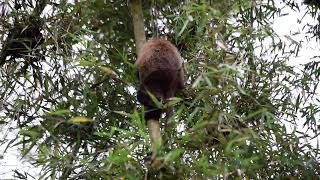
(155, 136)
(138, 24)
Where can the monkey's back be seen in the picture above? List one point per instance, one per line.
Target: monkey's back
(158, 55)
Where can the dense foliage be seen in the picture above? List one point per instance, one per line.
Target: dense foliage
(68, 89)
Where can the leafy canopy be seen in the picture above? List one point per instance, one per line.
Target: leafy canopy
(68, 90)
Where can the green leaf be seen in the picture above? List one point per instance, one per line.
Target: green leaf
(174, 155)
(186, 22)
(59, 112)
(172, 101)
(87, 63)
(154, 100)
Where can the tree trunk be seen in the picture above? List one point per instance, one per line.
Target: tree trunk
(138, 24)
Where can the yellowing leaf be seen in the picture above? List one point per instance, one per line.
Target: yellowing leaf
(106, 70)
(80, 119)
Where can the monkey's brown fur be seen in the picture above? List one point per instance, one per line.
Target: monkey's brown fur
(160, 71)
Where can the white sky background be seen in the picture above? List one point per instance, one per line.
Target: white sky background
(284, 25)
(289, 24)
